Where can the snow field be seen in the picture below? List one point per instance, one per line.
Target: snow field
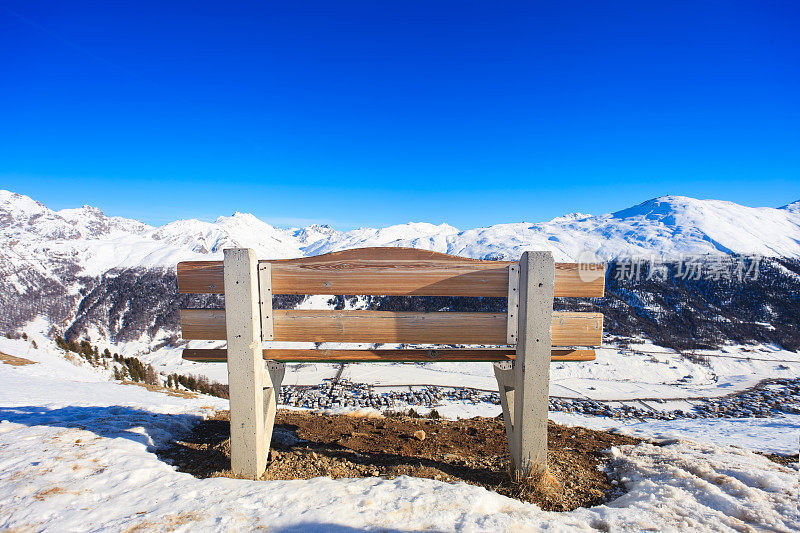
(60, 479)
(83, 458)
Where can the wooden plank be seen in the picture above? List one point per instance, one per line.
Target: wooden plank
(576, 329)
(388, 326)
(568, 329)
(392, 272)
(572, 355)
(220, 355)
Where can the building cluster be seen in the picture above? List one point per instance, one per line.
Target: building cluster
(772, 398)
(769, 399)
(344, 393)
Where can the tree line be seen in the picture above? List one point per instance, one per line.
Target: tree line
(133, 369)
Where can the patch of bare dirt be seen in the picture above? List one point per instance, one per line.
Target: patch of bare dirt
(785, 460)
(307, 445)
(14, 360)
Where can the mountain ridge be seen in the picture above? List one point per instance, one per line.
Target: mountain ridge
(670, 226)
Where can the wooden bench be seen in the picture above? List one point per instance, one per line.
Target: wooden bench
(521, 342)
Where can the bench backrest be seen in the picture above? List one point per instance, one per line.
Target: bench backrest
(392, 272)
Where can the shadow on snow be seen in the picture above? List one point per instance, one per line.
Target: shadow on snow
(154, 430)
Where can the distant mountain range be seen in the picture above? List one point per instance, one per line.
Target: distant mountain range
(84, 272)
(33, 235)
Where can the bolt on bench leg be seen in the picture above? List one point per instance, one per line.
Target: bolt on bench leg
(524, 388)
(246, 374)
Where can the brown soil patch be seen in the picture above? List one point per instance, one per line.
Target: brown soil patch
(14, 360)
(475, 450)
(785, 460)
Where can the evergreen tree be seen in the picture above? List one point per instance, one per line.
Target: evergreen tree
(150, 376)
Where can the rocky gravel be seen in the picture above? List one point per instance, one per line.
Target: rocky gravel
(475, 450)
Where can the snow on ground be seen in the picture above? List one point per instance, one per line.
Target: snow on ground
(79, 453)
(778, 434)
(55, 391)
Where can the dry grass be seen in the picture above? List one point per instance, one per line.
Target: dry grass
(14, 360)
(535, 486)
(165, 390)
(167, 523)
(44, 494)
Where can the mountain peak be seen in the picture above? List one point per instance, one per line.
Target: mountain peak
(674, 205)
(10, 200)
(241, 218)
(84, 211)
(793, 207)
(569, 217)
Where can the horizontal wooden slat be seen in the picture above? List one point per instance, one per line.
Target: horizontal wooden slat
(220, 355)
(572, 355)
(568, 329)
(392, 272)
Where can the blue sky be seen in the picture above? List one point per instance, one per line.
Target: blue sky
(374, 113)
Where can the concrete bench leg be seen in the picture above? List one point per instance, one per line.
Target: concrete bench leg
(276, 372)
(247, 377)
(524, 388)
(504, 373)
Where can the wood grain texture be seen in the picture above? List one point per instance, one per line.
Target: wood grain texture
(392, 272)
(568, 329)
(220, 355)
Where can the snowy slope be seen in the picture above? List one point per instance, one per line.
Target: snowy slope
(77, 453)
(33, 236)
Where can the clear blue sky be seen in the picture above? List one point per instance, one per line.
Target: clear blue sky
(378, 112)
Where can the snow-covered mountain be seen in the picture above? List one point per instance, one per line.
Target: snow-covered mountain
(37, 237)
(88, 274)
